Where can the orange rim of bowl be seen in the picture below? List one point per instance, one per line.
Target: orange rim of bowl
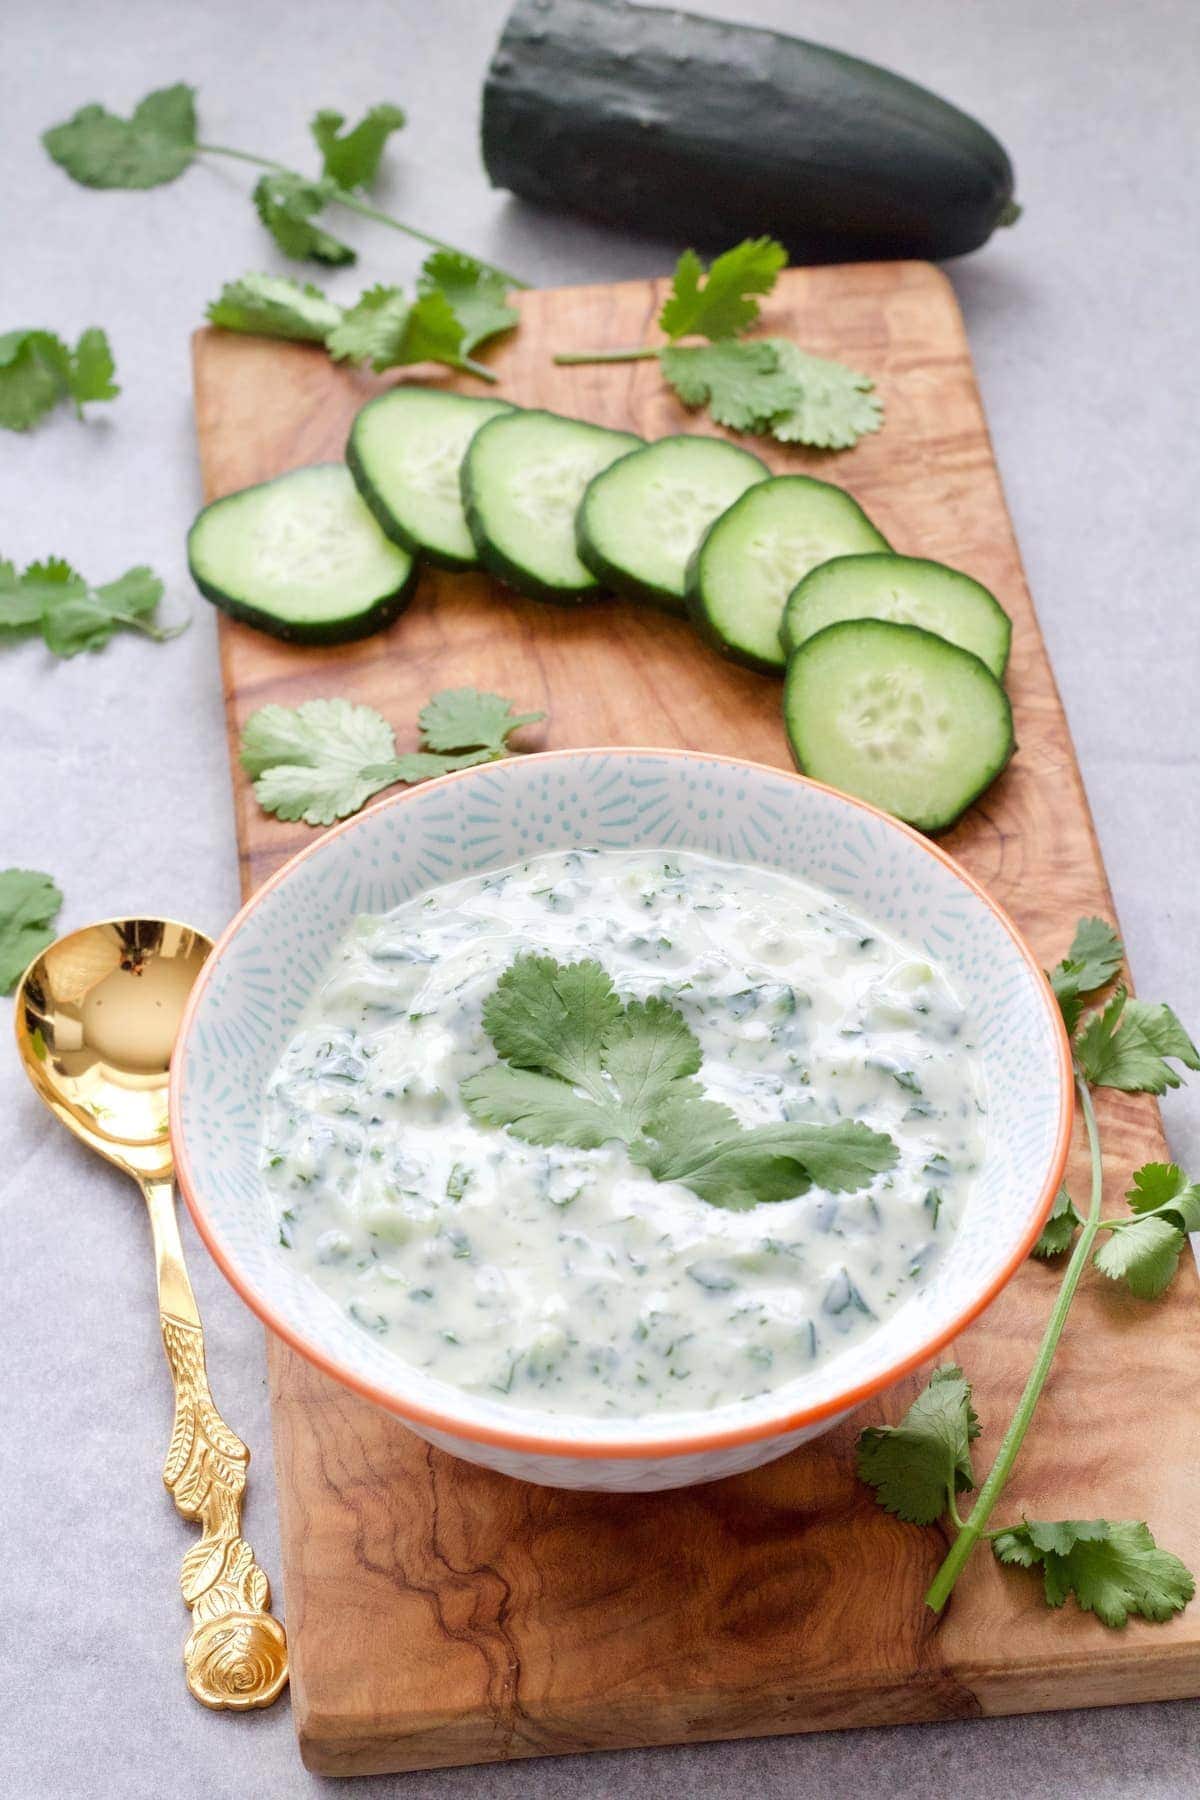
(529, 1442)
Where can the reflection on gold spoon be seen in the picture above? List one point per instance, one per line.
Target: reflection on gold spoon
(97, 1015)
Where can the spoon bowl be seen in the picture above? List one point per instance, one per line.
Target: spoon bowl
(97, 1016)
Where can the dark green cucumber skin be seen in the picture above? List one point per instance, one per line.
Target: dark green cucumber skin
(703, 132)
(619, 580)
(328, 631)
(697, 604)
(386, 519)
(493, 559)
(935, 823)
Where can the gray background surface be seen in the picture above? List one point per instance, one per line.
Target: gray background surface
(113, 773)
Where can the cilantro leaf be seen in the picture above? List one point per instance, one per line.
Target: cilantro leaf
(1163, 1188)
(1127, 1045)
(476, 296)
(288, 204)
(440, 325)
(1060, 1227)
(71, 614)
(352, 161)
(1095, 956)
(1144, 1254)
(323, 759)
(915, 1465)
(101, 150)
(318, 761)
(37, 370)
(463, 718)
(372, 330)
(702, 1144)
(581, 1068)
(837, 405)
(721, 305)
(275, 306)
(91, 370)
(1113, 1567)
(29, 903)
(742, 384)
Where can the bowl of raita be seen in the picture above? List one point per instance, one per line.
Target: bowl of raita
(620, 1118)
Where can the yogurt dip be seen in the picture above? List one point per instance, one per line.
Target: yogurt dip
(570, 1281)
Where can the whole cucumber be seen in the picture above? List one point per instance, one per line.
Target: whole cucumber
(704, 132)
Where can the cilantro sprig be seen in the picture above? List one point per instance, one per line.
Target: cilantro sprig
(323, 759)
(758, 385)
(580, 1067)
(458, 305)
(54, 599)
(919, 1467)
(38, 371)
(29, 904)
(160, 141)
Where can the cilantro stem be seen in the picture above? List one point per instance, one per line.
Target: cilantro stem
(568, 358)
(342, 197)
(989, 1493)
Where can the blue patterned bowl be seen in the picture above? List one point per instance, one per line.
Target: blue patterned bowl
(258, 979)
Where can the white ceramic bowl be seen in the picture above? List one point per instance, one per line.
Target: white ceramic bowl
(264, 968)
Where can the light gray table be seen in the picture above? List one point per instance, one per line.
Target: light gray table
(113, 772)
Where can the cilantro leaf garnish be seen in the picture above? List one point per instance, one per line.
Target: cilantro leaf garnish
(1114, 1568)
(742, 385)
(102, 150)
(288, 206)
(275, 306)
(155, 145)
(352, 160)
(323, 759)
(581, 1068)
(372, 330)
(38, 370)
(837, 405)
(721, 304)
(769, 384)
(1144, 1251)
(476, 295)
(71, 614)
(1095, 956)
(1060, 1228)
(1128, 1043)
(29, 903)
(915, 1466)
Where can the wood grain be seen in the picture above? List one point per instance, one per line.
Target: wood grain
(439, 1614)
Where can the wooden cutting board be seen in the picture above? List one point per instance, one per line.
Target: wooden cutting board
(439, 1614)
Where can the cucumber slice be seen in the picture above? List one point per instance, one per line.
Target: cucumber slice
(523, 477)
(753, 556)
(301, 558)
(640, 520)
(908, 590)
(404, 452)
(897, 716)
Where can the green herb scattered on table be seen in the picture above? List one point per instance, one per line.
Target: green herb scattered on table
(159, 142)
(758, 385)
(29, 903)
(919, 1467)
(459, 304)
(54, 599)
(38, 371)
(582, 1069)
(322, 760)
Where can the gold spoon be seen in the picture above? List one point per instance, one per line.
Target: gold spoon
(97, 1015)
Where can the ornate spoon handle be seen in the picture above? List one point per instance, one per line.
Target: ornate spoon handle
(236, 1655)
